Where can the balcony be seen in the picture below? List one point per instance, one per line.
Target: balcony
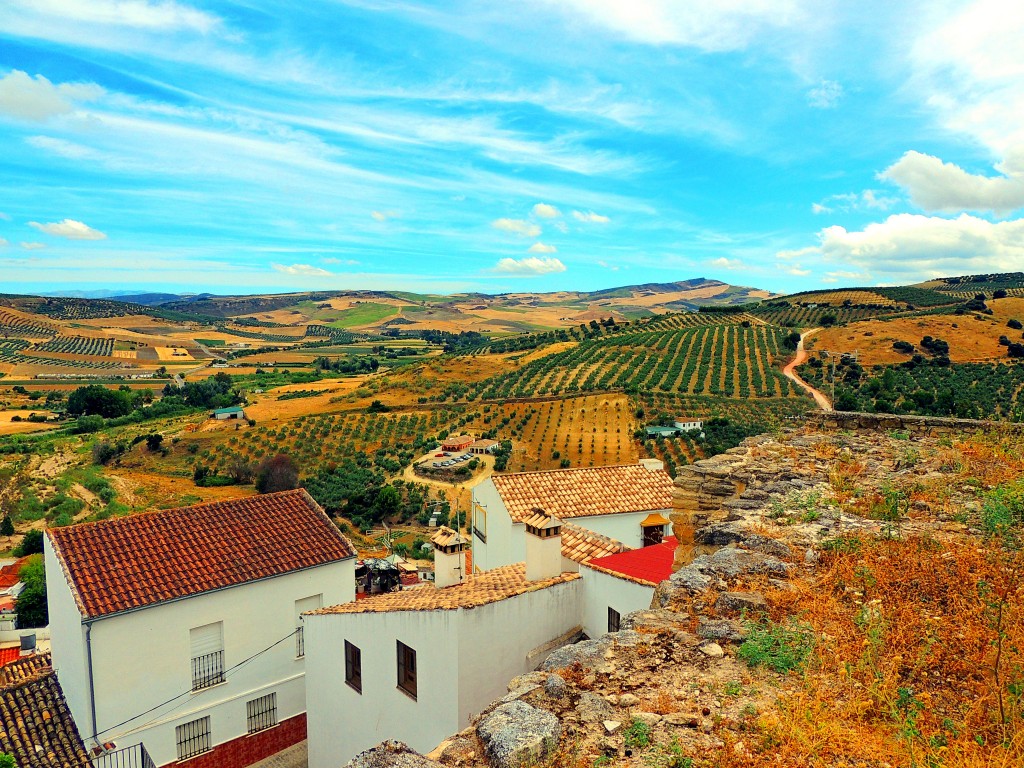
(129, 757)
(207, 670)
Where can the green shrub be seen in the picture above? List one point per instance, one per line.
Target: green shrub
(781, 647)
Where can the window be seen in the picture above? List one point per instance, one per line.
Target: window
(207, 651)
(354, 667)
(193, 738)
(613, 620)
(406, 669)
(653, 534)
(311, 603)
(480, 523)
(261, 713)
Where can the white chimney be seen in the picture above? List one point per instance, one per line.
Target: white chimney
(543, 546)
(449, 560)
(652, 465)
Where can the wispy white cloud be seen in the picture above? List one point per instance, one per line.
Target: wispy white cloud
(825, 95)
(546, 211)
(4, 242)
(162, 15)
(868, 200)
(32, 246)
(913, 247)
(37, 99)
(383, 215)
(590, 217)
(542, 248)
(721, 26)
(531, 265)
(336, 260)
(934, 185)
(796, 270)
(845, 275)
(519, 227)
(726, 263)
(303, 270)
(69, 228)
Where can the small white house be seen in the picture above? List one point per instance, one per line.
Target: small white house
(618, 584)
(629, 504)
(178, 633)
(234, 412)
(687, 423)
(415, 665)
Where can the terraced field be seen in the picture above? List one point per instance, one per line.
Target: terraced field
(726, 360)
(78, 345)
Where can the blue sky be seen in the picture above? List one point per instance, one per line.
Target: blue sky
(256, 146)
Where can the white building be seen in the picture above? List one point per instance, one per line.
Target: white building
(618, 584)
(687, 424)
(629, 504)
(180, 630)
(415, 665)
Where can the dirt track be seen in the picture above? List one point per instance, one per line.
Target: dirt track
(790, 373)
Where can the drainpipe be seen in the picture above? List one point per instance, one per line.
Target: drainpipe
(92, 687)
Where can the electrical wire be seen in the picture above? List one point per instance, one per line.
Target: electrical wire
(227, 672)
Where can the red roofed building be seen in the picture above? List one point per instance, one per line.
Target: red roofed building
(622, 583)
(179, 630)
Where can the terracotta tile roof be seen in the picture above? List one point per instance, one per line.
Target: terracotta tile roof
(36, 726)
(446, 537)
(541, 520)
(568, 493)
(478, 589)
(581, 545)
(9, 573)
(131, 562)
(483, 443)
(648, 565)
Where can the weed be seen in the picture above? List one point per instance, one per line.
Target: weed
(733, 688)
(782, 647)
(668, 756)
(637, 736)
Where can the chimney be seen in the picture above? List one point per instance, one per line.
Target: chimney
(652, 465)
(449, 560)
(543, 546)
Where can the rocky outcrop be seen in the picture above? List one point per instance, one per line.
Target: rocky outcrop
(516, 734)
(391, 754)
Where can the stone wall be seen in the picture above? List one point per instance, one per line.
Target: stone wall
(918, 425)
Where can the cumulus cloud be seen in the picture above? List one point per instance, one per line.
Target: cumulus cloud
(37, 99)
(69, 228)
(935, 185)
(590, 217)
(825, 95)
(545, 211)
(869, 199)
(302, 270)
(796, 270)
(539, 247)
(519, 227)
(531, 265)
(912, 247)
(845, 275)
(32, 246)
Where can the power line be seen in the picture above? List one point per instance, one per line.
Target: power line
(190, 690)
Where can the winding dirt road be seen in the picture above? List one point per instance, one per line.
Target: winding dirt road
(790, 373)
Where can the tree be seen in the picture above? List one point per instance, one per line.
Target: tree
(999, 293)
(153, 441)
(30, 607)
(32, 544)
(829, 320)
(7, 526)
(279, 473)
(791, 341)
(96, 400)
(388, 503)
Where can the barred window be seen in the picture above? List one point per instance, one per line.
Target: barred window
(261, 713)
(613, 620)
(406, 669)
(353, 666)
(193, 738)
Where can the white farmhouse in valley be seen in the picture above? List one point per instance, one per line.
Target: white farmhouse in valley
(415, 665)
(178, 633)
(629, 504)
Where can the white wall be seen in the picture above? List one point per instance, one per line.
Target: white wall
(601, 592)
(496, 638)
(67, 641)
(341, 722)
(504, 544)
(142, 658)
(465, 659)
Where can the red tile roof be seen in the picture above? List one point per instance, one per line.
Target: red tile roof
(131, 562)
(569, 493)
(9, 573)
(649, 565)
(9, 654)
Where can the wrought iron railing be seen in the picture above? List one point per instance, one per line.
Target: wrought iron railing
(207, 670)
(127, 757)
(480, 534)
